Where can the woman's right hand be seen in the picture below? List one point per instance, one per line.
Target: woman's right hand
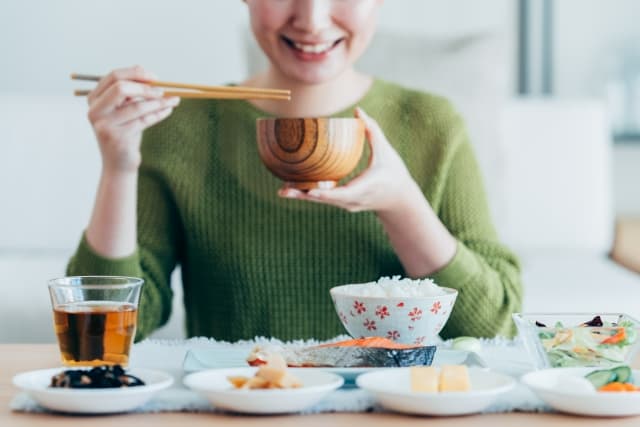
(120, 108)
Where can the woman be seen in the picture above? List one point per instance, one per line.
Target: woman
(257, 264)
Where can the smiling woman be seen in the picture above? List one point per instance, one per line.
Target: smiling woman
(297, 35)
(194, 192)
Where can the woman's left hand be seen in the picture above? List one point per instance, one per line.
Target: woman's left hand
(381, 187)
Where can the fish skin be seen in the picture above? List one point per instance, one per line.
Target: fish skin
(376, 342)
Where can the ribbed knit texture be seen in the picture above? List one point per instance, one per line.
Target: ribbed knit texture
(256, 264)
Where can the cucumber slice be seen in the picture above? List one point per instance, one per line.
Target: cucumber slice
(623, 374)
(467, 344)
(601, 377)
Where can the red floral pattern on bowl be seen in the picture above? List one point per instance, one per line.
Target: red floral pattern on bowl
(408, 320)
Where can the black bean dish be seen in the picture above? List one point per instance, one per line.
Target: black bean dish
(98, 377)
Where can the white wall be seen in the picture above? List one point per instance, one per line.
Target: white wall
(588, 35)
(42, 41)
(591, 37)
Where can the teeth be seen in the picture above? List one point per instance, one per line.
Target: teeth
(313, 48)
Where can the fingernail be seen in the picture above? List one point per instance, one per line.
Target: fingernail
(313, 193)
(174, 100)
(156, 91)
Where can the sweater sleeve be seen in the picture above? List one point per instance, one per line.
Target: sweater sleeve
(485, 273)
(153, 260)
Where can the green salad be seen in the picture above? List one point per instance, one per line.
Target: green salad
(593, 343)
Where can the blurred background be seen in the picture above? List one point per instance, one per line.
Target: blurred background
(550, 90)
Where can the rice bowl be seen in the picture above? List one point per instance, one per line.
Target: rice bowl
(407, 311)
(393, 287)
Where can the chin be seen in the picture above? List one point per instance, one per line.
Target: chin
(314, 79)
(314, 75)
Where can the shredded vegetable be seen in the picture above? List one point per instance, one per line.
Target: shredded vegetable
(587, 345)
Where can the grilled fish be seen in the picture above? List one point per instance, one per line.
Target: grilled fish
(364, 352)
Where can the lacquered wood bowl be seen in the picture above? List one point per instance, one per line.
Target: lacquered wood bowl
(310, 153)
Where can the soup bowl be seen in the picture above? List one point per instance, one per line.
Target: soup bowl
(309, 153)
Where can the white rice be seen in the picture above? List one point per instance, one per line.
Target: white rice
(394, 287)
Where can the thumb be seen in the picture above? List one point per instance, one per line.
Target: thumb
(372, 129)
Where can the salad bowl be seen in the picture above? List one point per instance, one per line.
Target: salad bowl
(556, 340)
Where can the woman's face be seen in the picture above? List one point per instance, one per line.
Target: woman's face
(313, 41)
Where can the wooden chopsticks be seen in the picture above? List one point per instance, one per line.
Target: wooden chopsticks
(202, 91)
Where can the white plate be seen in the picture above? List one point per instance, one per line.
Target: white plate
(392, 389)
(91, 401)
(213, 384)
(544, 382)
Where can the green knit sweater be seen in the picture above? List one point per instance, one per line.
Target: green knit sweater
(254, 264)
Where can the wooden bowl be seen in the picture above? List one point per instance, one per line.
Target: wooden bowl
(310, 153)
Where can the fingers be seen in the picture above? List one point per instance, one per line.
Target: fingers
(372, 129)
(133, 118)
(367, 191)
(348, 197)
(353, 196)
(376, 139)
(141, 123)
(136, 73)
(117, 88)
(120, 107)
(117, 94)
(342, 197)
(135, 110)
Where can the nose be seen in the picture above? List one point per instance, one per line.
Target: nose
(312, 16)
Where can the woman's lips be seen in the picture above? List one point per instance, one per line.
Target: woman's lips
(311, 51)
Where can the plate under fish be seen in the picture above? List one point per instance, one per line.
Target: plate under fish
(376, 352)
(235, 356)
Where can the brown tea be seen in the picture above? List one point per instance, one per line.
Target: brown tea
(93, 333)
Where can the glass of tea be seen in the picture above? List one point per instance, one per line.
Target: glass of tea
(95, 318)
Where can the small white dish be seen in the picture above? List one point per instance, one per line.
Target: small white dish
(214, 385)
(392, 389)
(545, 383)
(91, 401)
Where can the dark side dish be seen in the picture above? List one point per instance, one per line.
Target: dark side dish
(98, 377)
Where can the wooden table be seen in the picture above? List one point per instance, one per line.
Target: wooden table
(16, 358)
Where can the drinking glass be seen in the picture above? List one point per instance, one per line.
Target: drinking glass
(95, 318)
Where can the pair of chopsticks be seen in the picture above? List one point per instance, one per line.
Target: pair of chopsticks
(201, 91)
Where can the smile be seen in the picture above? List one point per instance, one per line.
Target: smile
(315, 48)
